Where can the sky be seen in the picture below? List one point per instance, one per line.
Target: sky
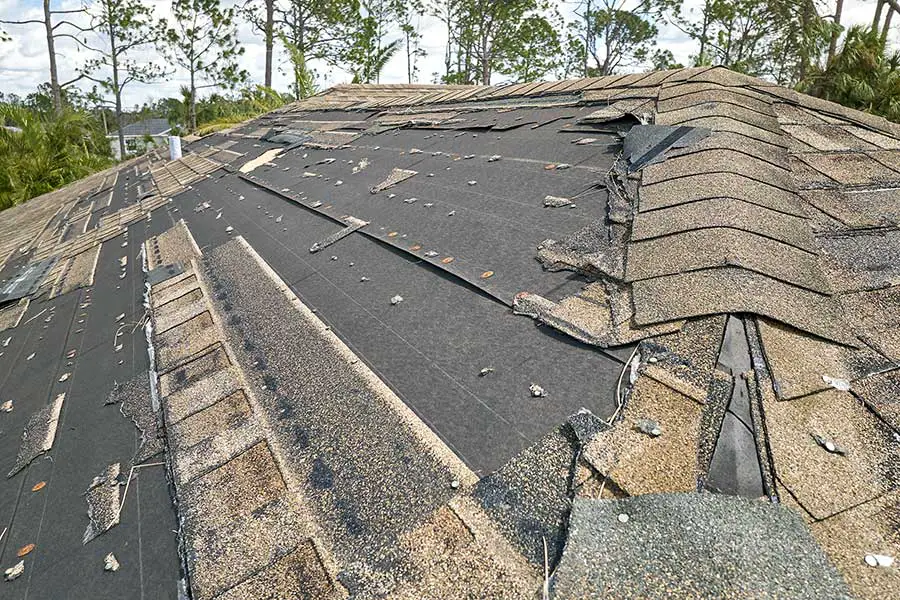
(24, 63)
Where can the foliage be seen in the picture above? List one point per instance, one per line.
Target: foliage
(862, 75)
(50, 151)
(313, 30)
(304, 84)
(203, 40)
(781, 39)
(532, 52)
(123, 27)
(217, 111)
(621, 38)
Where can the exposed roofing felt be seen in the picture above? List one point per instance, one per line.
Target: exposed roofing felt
(401, 339)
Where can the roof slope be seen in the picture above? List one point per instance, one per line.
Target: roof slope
(357, 399)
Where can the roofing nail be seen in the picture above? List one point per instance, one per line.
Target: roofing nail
(485, 371)
(7, 406)
(338, 182)
(430, 175)
(396, 300)
(468, 156)
(451, 213)
(431, 254)
(229, 229)
(415, 151)
(494, 158)
(30, 356)
(120, 317)
(363, 279)
(473, 182)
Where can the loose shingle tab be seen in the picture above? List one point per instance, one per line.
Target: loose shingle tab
(674, 192)
(724, 212)
(736, 290)
(719, 247)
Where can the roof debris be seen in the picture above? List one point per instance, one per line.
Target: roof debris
(353, 225)
(14, 571)
(649, 427)
(537, 391)
(880, 560)
(485, 371)
(110, 563)
(396, 176)
(556, 201)
(7, 406)
(829, 445)
(837, 383)
(395, 300)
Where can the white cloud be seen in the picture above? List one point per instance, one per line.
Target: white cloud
(24, 63)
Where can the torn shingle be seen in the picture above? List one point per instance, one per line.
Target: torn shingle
(39, 434)
(103, 503)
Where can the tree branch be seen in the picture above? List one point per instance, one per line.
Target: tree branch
(80, 43)
(78, 27)
(71, 81)
(29, 22)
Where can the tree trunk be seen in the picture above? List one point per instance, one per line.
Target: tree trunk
(117, 90)
(877, 20)
(192, 108)
(270, 39)
(887, 23)
(588, 36)
(832, 44)
(56, 91)
(485, 60)
(409, 62)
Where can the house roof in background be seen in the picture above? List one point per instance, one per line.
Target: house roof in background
(147, 127)
(427, 341)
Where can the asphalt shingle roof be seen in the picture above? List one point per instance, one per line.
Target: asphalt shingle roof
(398, 332)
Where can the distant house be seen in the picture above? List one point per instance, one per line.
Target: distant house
(136, 136)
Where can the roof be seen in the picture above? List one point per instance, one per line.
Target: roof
(146, 127)
(422, 341)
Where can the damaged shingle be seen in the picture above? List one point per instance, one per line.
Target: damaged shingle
(39, 434)
(103, 502)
